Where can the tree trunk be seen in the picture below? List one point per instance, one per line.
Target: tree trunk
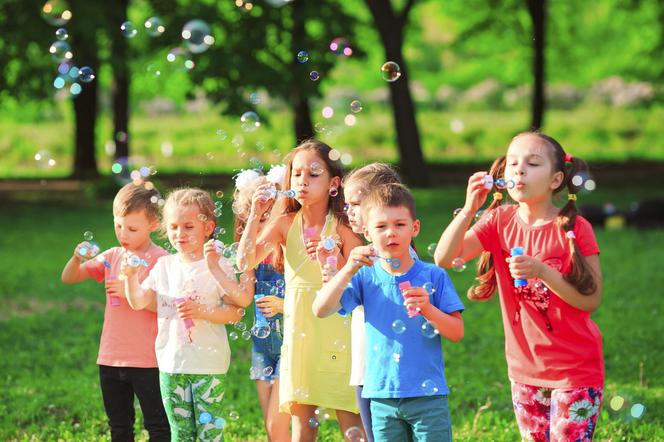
(301, 109)
(537, 10)
(391, 30)
(85, 110)
(120, 84)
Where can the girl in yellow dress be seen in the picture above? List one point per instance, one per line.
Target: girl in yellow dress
(315, 356)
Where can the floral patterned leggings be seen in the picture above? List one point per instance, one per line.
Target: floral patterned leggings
(556, 415)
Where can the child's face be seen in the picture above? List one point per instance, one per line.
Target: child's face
(310, 178)
(133, 230)
(391, 230)
(187, 229)
(530, 166)
(353, 197)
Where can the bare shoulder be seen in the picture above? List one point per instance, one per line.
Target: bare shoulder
(347, 235)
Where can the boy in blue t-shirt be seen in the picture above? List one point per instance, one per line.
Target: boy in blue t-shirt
(404, 376)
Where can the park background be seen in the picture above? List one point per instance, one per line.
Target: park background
(473, 74)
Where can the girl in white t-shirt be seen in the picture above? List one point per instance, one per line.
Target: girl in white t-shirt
(190, 292)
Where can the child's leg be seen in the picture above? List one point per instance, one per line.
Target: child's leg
(179, 406)
(387, 424)
(118, 398)
(532, 407)
(574, 413)
(429, 418)
(208, 391)
(145, 382)
(263, 388)
(302, 431)
(350, 421)
(277, 423)
(365, 413)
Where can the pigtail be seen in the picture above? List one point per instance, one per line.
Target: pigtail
(581, 275)
(486, 274)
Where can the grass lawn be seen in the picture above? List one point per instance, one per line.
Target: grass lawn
(49, 332)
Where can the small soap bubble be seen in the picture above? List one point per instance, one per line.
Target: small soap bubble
(617, 403)
(262, 332)
(154, 26)
(221, 134)
(313, 422)
(205, 418)
(56, 12)
(429, 387)
(479, 214)
(196, 35)
(327, 112)
(246, 335)
(431, 248)
(219, 423)
(241, 326)
(86, 74)
(219, 193)
(355, 106)
(249, 121)
(267, 371)
(350, 120)
(456, 126)
(458, 264)
(88, 235)
(354, 434)
(339, 345)
(314, 75)
(577, 180)
(637, 411)
(128, 29)
(334, 155)
(340, 46)
(428, 286)
(233, 336)
(398, 326)
(241, 312)
(61, 34)
(233, 415)
(428, 330)
(396, 357)
(280, 283)
(590, 185)
(346, 159)
(60, 51)
(302, 56)
(391, 71)
(456, 212)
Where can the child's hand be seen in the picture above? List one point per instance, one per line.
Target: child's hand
(190, 309)
(270, 305)
(312, 246)
(525, 267)
(322, 253)
(476, 192)
(211, 254)
(360, 256)
(115, 287)
(86, 246)
(261, 200)
(127, 270)
(417, 298)
(328, 272)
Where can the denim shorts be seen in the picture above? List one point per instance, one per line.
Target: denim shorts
(266, 353)
(425, 418)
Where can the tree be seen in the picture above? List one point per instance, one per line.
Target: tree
(537, 11)
(391, 27)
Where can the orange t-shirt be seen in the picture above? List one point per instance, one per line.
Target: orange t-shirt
(569, 354)
(127, 336)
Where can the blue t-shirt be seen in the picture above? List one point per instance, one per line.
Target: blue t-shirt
(403, 355)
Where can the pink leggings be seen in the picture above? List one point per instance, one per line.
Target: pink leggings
(556, 415)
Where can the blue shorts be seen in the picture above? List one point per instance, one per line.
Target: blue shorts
(425, 418)
(266, 354)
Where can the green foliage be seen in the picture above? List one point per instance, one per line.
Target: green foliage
(51, 331)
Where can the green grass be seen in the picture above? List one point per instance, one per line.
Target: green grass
(49, 332)
(596, 133)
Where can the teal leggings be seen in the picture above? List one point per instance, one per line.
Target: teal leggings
(193, 405)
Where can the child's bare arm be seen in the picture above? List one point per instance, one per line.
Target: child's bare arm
(222, 314)
(137, 297)
(238, 294)
(73, 273)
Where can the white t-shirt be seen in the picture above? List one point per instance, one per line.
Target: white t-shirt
(357, 347)
(203, 348)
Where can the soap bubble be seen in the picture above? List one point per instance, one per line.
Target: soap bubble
(205, 418)
(637, 411)
(398, 326)
(356, 106)
(128, 29)
(302, 56)
(313, 422)
(60, 51)
(340, 46)
(88, 235)
(428, 286)
(617, 403)
(250, 121)
(314, 75)
(233, 415)
(429, 387)
(56, 12)
(267, 371)
(154, 26)
(86, 74)
(391, 71)
(428, 330)
(61, 34)
(431, 249)
(458, 264)
(354, 434)
(197, 37)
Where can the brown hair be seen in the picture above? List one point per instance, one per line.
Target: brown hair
(190, 196)
(580, 275)
(389, 195)
(133, 198)
(372, 175)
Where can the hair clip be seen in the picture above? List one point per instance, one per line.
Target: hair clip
(276, 174)
(497, 196)
(245, 177)
(570, 234)
(568, 158)
(571, 197)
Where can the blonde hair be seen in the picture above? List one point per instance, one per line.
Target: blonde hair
(580, 275)
(372, 175)
(190, 196)
(132, 198)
